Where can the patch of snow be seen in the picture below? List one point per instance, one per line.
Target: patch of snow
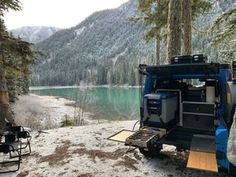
(86, 151)
(80, 30)
(44, 112)
(34, 34)
(91, 25)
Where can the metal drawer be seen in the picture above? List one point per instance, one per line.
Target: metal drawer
(199, 108)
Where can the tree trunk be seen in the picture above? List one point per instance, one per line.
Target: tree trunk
(174, 29)
(5, 109)
(158, 44)
(187, 27)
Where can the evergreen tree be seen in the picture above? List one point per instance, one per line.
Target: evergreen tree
(154, 14)
(224, 34)
(174, 29)
(15, 56)
(187, 26)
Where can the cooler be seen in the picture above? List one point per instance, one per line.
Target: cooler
(160, 108)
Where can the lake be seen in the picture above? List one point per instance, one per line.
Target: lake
(111, 103)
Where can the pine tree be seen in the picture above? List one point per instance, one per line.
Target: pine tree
(187, 26)
(224, 33)
(177, 22)
(15, 56)
(174, 29)
(5, 110)
(154, 14)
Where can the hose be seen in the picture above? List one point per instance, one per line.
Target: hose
(135, 125)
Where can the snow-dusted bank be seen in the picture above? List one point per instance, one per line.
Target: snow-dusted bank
(45, 112)
(85, 151)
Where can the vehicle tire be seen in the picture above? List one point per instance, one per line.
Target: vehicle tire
(180, 149)
(232, 170)
(151, 152)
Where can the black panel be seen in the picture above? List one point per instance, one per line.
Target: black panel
(203, 143)
(154, 106)
(182, 137)
(198, 122)
(199, 108)
(168, 125)
(196, 95)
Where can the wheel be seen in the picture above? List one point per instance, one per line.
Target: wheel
(179, 149)
(151, 151)
(232, 170)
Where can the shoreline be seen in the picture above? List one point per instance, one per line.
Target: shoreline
(40, 112)
(82, 86)
(46, 112)
(85, 151)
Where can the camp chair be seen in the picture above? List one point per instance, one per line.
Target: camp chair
(16, 144)
(23, 136)
(8, 149)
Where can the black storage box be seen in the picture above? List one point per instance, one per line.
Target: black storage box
(200, 58)
(181, 59)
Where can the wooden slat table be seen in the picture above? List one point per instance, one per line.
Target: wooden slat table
(121, 136)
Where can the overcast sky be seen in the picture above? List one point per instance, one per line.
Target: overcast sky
(58, 13)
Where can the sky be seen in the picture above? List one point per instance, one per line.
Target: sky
(56, 13)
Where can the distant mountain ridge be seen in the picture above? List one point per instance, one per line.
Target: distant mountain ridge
(80, 53)
(105, 48)
(109, 30)
(34, 34)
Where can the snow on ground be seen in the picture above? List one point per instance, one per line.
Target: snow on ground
(85, 151)
(44, 112)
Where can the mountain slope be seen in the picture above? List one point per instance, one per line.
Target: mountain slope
(106, 48)
(34, 34)
(104, 38)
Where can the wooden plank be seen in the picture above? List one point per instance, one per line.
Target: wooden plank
(202, 161)
(121, 136)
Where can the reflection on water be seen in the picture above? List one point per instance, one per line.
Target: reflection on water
(113, 103)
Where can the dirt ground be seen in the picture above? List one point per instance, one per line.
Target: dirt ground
(85, 151)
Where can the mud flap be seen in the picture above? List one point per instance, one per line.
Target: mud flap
(202, 154)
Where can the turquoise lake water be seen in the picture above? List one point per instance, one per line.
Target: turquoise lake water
(112, 103)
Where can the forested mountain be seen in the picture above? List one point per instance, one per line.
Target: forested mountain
(106, 48)
(34, 34)
(103, 49)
